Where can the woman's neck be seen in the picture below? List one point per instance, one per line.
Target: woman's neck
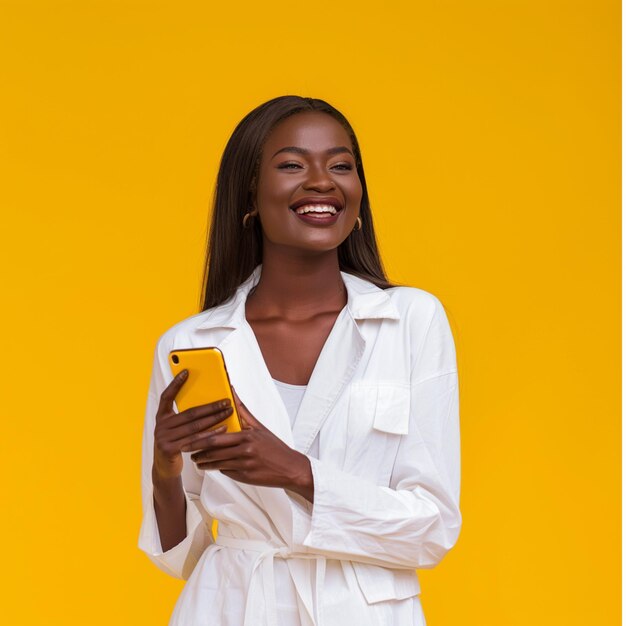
(297, 288)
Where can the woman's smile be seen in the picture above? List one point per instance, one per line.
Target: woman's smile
(322, 211)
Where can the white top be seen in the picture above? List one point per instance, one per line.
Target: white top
(292, 397)
(383, 403)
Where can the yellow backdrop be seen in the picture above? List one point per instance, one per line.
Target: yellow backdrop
(489, 132)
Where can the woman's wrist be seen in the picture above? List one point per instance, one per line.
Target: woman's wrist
(166, 486)
(302, 479)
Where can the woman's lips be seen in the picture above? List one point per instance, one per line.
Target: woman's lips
(318, 219)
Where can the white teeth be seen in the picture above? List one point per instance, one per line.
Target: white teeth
(316, 208)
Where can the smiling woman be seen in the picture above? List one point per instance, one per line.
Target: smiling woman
(345, 478)
(320, 181)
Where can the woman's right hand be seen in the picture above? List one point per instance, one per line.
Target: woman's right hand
(186, 431)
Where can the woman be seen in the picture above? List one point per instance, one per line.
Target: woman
(345, 478)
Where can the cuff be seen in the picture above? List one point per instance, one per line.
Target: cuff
(310, 535)
(301, 512)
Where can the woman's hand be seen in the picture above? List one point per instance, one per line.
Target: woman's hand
(257, 457)
(183, 432)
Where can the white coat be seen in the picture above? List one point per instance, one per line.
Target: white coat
(381, 412)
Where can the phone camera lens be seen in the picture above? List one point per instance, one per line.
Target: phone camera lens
(175, 359)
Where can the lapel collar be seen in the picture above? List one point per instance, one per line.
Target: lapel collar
(231, 313)
(367, 301)
(333, 370)
(340, 357)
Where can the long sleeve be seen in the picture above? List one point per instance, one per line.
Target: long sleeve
(416, 521)
(181, 559)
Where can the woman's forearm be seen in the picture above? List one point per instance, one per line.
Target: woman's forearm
(171, 510)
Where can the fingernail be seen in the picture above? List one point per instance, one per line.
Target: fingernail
(184, 374)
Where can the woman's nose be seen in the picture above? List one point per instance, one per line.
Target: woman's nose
(319, 178)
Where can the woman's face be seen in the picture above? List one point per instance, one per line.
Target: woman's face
(307, 157)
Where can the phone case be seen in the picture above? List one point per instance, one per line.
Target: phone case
(208, 381)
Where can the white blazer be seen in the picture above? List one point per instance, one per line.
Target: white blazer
(382, 409)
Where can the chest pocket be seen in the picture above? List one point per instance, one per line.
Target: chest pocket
(378, 416)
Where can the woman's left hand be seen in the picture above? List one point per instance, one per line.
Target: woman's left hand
(257, 457)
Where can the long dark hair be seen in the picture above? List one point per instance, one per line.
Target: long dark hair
(234, 251)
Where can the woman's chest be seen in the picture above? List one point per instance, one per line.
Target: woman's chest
(291, 349)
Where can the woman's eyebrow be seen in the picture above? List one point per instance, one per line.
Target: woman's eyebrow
(296, 149)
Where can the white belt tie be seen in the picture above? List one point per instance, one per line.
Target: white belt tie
(265, 563)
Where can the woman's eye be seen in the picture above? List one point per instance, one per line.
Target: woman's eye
(290, 166)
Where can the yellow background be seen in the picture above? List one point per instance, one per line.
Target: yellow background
(490, 137)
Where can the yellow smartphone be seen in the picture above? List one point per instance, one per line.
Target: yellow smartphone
(208, 381)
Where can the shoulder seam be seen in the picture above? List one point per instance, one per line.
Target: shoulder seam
(425, 335)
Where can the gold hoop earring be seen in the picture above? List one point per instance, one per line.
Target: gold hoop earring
(359, 223)
(248, 215)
